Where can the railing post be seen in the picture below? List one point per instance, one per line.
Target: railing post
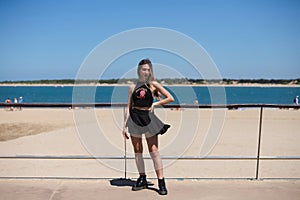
(125, 146)
(259, 142)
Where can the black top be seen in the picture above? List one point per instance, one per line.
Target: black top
(142, 96)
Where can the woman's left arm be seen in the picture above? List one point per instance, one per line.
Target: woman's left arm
(168, 97)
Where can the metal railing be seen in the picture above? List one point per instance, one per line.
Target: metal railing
(257, 158)
(67, 105)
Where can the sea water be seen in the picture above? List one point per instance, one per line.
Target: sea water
(182, 94)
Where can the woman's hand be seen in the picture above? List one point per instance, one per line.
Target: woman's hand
(153, 106)
(125, 134)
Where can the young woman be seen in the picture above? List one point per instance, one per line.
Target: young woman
(140, 119)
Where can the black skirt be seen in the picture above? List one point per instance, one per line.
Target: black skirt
(145, 121)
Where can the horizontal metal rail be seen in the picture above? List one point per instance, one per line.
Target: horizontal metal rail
(74, 157)
(73, 105)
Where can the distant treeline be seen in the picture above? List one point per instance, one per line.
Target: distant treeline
(164, 81)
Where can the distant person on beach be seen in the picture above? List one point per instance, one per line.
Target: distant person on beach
(20, 101)
(296, 100)
(140, 119)
(8, 108)
(15, 102)
(196, 102)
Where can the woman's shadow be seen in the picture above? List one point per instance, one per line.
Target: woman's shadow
(123, 182)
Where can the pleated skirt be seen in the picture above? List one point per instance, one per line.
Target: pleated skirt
(145, 121)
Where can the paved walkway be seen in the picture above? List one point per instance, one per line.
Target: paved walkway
(14, 189)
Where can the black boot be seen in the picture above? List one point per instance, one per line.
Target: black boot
(140, 184)
(162, 187)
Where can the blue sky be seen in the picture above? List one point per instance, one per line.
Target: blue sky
(43, 39)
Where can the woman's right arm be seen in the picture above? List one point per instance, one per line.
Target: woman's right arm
(129, 106)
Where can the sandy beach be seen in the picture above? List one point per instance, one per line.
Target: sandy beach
(62, 132)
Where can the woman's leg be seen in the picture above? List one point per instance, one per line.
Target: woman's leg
(141, 182)
(138, 150)
(152, 142)
(153, 149)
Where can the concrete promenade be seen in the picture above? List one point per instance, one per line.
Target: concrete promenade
(58, 189)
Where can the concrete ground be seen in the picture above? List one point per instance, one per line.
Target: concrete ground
(52, 189)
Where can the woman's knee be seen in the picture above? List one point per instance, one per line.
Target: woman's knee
(152, 143)
(154, 154)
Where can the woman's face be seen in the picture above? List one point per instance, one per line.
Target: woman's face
(145, 72)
